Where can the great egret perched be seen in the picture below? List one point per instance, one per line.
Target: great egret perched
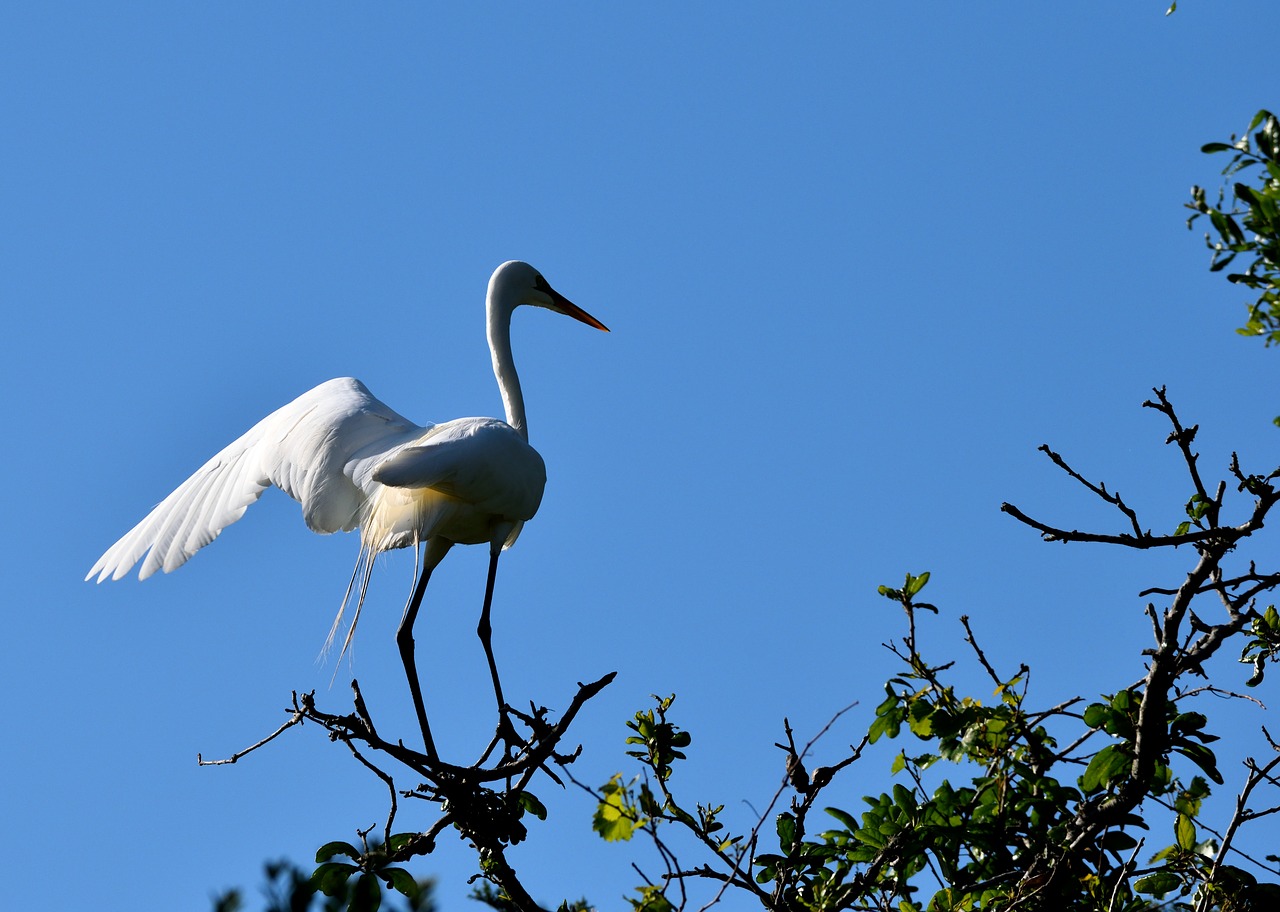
(352, 462)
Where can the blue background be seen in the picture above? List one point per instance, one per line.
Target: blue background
(859, 260)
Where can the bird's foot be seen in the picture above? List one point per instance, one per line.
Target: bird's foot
(506, 735)
(510, 738)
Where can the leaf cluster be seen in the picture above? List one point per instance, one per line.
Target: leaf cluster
(359, 881)
(661, 742)
(1248, 226)
(1263, 644)
(290, 889)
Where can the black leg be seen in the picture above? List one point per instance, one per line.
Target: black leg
(404, 639)
(485, 632)
(505, 733)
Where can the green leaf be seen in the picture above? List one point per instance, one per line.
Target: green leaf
(530, 803)
(848, 820)
(652, 899)
(366, 895)
(920, 719)
(903, 797)
(870, 836)
(1117, 841)
(1107, 765)
(1184, 832)
(399, 840)
(1202, 757)
(332, 876)
(1157, 884)
(1188, 722)
(881, 726)
(614, 819)
(916, 583)
(768, 865)
(329, 849)
(401, 881)
(786, 832)
(1096, 715)
(649, 805)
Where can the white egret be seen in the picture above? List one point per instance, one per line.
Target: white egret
(352, 462)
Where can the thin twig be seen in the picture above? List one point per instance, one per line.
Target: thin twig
(1242, 813)
(295, 719)
(386, 778)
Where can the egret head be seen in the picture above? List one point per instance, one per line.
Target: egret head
(515, 283)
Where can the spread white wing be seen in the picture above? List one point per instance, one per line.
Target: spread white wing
(320, 449)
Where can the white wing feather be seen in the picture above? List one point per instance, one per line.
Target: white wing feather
(319, 449)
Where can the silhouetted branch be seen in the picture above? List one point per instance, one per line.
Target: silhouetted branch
(1174, 654)
(1183, 437)
(1144, 541)
(1099, 489)
(489, 818)
(1257, 775)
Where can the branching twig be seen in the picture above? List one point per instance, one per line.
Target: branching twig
(1257, 775)
(298, 714)
(1100, 489)
(1183, 437)
(488, 818)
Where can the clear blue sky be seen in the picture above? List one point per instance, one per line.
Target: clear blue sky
(859, 261)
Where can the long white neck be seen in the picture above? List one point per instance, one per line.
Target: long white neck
(498, 319)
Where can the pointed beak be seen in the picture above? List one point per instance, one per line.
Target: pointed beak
(569, 309)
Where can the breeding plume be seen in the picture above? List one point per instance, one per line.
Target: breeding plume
(352, 462)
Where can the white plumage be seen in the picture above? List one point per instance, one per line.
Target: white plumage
(351, 462)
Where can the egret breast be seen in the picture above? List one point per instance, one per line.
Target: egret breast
(459, 481)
